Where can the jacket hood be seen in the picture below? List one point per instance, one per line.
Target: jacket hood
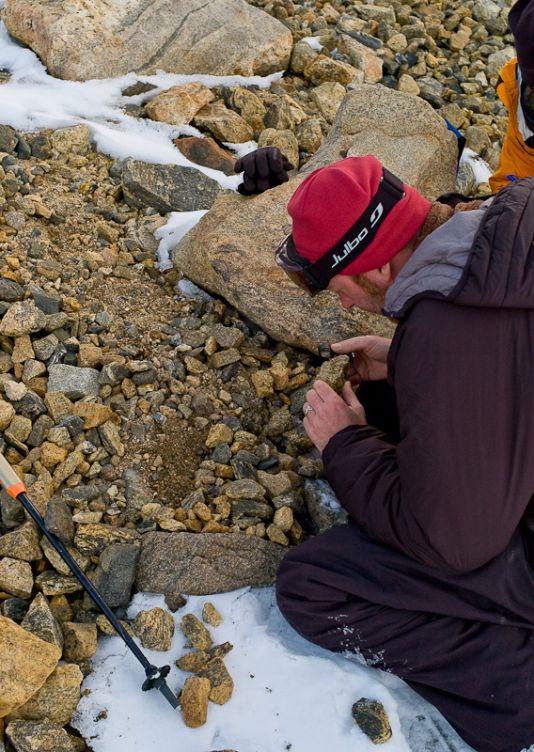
(482, 258)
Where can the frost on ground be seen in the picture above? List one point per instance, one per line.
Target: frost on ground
(289, 694)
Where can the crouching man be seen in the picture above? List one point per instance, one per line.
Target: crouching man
(432, 578)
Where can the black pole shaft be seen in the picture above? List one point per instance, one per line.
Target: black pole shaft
(88, 586)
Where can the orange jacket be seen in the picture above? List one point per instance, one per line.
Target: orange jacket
(517, 158)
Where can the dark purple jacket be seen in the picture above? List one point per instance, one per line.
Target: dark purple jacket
(455, 489)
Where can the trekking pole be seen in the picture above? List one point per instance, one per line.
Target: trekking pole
(155, 677)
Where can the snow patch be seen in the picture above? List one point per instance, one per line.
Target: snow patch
(32, 100)
(289, 694)
(481, 169)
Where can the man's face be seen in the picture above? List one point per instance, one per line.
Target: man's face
(358, 291)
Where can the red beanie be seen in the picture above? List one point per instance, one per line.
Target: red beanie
(331, 199)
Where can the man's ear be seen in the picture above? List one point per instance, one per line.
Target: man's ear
(381, 278)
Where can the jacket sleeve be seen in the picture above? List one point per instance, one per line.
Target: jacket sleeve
(450, 494)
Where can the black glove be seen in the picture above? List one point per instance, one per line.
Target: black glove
(264, 168)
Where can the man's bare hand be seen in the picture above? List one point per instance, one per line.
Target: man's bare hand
(370, 356)
(326, 413)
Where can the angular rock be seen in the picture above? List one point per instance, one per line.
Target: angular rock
(155, 629)
(323, 507)
(180, 104)
(221, 682)
(210, 615)
(93, 414)
(41, 622)
(16, 577)
(194, 701)
(92, 539)
(80, 641)
(167, 187)
(284, 140)
(223, 37)
(115, 573)
(52, 583)
(58, 520)
(7, 413)
(22, 544)
(223, 123)
(57, 699)
(21, 318)
(206, 152)
(39, 736)
(335, 372)
(402, 131)
(194, 661)
(26, 663)
(196, 632)
(74, 382)
(222, 562)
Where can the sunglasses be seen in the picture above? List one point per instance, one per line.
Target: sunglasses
(296, 267)
(315, 277)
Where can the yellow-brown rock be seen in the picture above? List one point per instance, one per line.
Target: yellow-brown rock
(26, 662)
(194, 701)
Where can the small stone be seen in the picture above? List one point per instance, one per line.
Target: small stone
(15, 391)
(210, 615)
(26, 663)
(93, 414)
(110, 437)
(22, 544)
(196, 632)
(335, 371)
(372, 719)
(67, 468)
(224, 358)
(194, 661)
(58, 520)
(276, 535)
(57, 699)
(228, 336)
(52, 583)
(58, 404)
(154, 628)
(115, 573)
(41, 622)
(224, 124)
(219, 434)
(7, 412)
(80, 641)
(221, 682)
(284, 518)
(10, 291)
(16, 577)
(73, 381)
(23, 349)
(91, 539)
(23, 317)
(52, 455)
(194, 701)
(45, 347)
(89, 356)
(179, 104)
(61, 608)
(327, 98)
(244, 489)
(263, 383)
(107, 628)
(39, 736)
(174, 601)
(277, 484)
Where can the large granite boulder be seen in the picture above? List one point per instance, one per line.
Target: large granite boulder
(230, 251)
(403, 131)
(173, 563)
(80, 40)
